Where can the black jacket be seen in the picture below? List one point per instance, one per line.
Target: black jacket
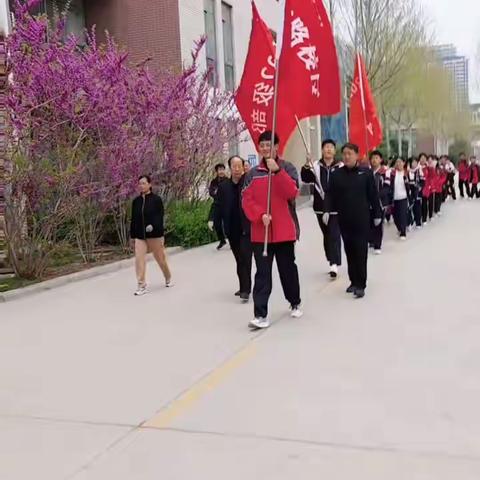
(213, 188)
(228, 204)
(312, 177)
(147, 211)
(383, 187)
(355, 197)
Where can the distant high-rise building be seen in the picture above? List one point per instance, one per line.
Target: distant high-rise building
(457, 66)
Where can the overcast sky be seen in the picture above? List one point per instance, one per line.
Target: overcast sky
(458, 22)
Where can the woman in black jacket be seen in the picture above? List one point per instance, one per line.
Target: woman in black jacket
(147, 232)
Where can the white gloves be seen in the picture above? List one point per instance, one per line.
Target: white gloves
(210, 225)
(325, 218)
(377, 221)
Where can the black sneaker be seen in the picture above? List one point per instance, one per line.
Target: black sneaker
(244, 297)
(350, 289)
(237, 294)
(221, 244)
(359, 292)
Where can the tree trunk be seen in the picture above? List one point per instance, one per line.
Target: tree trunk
(4, 267)
(399, 134)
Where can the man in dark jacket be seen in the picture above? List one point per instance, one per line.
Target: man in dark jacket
(280, 223)
(228, 202)
(214, 219)
(319, 176)
(354, 196)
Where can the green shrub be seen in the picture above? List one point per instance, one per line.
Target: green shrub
(186, 224)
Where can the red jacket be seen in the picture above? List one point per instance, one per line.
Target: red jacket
(429, 174)
(464, 171)
(439, 179)
(284, 225)
(474, 174)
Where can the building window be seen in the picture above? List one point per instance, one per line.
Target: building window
(228, 54)
(211, 45)
(74, 10)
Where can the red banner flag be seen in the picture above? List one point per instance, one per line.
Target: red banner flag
(255, 95)
(309, 78)
(365, 127)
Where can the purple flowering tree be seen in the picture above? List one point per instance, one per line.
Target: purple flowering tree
(84, 124)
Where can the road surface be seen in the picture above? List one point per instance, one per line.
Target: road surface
(96, 384)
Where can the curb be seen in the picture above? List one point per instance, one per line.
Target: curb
(75, 277)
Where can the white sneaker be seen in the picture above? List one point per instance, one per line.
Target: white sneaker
(378, 251)
(169, 283)
(259, 323)
(403, 239)
(141, 290)
(296, 312)
(333, 271)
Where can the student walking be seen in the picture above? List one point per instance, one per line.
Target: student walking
(282, 228)
(464, 176)
(319, 176)
(354, 197)
(474, 178)
(398, 181)
(379, 174)
(214, 219)
(147, 233)
(451, 172)
(415, 183)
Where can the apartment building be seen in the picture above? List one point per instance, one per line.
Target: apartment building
(457, 66)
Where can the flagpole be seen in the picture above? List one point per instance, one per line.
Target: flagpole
(312, 166)
(274, 126)
(362, 97)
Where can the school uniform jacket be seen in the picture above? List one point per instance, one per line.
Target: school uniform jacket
(390, 179)
(382, 186)
(474, 174)
(284, 226)
(416, 183)
(464, 171)
(320, 177)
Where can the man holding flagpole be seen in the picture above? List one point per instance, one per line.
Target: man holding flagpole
(279, 87)
(281, 224)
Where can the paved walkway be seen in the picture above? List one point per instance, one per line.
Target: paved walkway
(98, 385)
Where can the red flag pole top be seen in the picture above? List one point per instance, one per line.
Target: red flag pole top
(309, 77)
(255, 95)
(364, 126)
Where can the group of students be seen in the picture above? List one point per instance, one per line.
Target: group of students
(352, 200)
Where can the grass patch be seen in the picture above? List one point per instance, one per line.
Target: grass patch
(7, 284)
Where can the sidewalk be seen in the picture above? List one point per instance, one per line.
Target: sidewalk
(100, 385)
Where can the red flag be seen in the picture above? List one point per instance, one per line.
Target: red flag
(255, 94)
(309, 78)
(365, 127)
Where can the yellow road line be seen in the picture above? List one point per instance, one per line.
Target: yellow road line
(165, 417)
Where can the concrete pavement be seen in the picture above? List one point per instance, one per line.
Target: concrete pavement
(97, 385)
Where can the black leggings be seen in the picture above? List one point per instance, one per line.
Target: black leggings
(424, 209)
(474, 191)
(431, 205)
(438, 202)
